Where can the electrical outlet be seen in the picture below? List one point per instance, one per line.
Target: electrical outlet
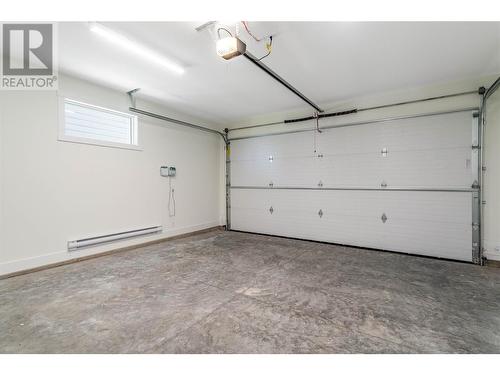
(167, 171)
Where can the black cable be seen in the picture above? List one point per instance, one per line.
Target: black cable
(223, 28)
(270, 45)
(321, 115)
(263, 57)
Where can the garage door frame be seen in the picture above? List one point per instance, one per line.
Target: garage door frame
(476, 169)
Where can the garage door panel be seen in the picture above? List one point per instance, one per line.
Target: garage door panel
(251, 172)
(358, 170)
(286, 145)
(433, 132)
(294, 171)
(444, 240)
(429, 168)
(425, 223)
(425, 168)
(439, 131)
(305, 223)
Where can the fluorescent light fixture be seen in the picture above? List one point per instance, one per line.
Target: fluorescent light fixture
(230, 47)
(137, 49)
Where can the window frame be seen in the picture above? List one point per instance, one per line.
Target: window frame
(135, 145)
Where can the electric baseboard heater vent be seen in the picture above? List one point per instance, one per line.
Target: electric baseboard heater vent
(92, 241)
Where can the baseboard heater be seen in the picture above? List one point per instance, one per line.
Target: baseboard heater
(92, 241)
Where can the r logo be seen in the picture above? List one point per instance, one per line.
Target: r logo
(27, 49)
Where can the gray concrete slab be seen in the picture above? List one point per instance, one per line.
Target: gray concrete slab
(230, 292)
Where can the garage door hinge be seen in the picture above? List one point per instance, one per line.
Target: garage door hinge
(320, 213)
(271, 210)
(475, 185)
(475, 226)
(383, 218)
(476, 147)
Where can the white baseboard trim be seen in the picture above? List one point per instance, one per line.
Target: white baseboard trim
(63, 256)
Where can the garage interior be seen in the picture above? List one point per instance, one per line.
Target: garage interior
(255, 187)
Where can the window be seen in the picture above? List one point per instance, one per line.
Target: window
(84, 123)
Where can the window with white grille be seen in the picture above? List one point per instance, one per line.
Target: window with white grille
(87, 123)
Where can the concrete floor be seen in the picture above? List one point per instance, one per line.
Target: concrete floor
(228, 292)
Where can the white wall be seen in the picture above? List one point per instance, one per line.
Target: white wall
(53, 191)
(491, 183)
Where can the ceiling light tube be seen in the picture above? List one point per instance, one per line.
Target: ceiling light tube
(131, 46)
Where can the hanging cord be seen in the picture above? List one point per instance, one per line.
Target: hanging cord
(315, 143)
(317, 130)
(269, 45)
(316, 115)
(245, 23)
(223, 28)
(171, 198)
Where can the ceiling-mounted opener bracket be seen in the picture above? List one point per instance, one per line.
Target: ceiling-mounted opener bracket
(316, 116)
(132, 97)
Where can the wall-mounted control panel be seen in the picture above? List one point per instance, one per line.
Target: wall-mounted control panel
(167, 171)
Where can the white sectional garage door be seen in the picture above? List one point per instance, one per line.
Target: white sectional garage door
(402, 185)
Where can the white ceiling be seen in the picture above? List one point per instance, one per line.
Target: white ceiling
(327, 61)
